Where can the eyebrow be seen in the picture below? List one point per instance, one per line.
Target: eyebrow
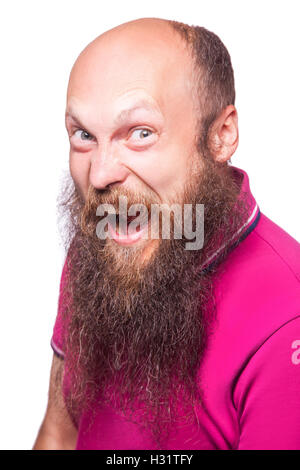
(126, 113)
(123, 115)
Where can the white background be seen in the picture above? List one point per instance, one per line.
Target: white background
(39, 43)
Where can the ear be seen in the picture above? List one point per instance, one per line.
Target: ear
(224, 134)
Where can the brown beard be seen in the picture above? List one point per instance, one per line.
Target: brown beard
(135, 333)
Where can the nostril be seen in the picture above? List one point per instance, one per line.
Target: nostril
(113, 185)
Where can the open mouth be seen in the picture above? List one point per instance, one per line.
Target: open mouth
(123, 229)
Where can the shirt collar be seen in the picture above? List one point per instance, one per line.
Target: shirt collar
(251, 218)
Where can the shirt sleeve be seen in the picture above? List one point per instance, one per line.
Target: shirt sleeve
(57, 340)
(268, 393)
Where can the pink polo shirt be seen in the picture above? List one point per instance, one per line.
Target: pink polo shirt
(250, 375)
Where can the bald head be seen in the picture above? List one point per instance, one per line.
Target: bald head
(142, 47)
(135, 75)
(153, 28)
(144, 55)
(140, 76)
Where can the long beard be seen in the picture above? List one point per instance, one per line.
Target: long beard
(135, 333)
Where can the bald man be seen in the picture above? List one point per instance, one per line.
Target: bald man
(168, 342)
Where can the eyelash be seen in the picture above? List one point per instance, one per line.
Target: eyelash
(131, 131)
(142, 129)
(80, 129)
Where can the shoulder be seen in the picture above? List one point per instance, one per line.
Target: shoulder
(260, 279)
(257, 293)
(279, 245)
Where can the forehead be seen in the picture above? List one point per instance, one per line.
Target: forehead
(114, 72)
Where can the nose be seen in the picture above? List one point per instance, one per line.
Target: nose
(107, 171)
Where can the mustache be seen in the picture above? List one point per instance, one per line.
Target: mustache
(142, 200)
(96, 197)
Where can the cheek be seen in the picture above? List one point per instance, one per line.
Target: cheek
(79, 169)
(164, 172)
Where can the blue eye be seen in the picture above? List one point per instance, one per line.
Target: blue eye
(83, 134)
(142, 133)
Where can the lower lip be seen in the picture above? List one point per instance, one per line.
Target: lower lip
(126, 239)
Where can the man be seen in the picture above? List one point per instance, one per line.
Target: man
(157, 345)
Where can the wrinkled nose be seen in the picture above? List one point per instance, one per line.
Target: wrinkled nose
(107, 171)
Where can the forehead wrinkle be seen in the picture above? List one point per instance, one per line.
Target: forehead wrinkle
(122, 116)
(74, 114)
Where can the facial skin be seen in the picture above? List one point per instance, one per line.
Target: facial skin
(102, 86)
(141, 323)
